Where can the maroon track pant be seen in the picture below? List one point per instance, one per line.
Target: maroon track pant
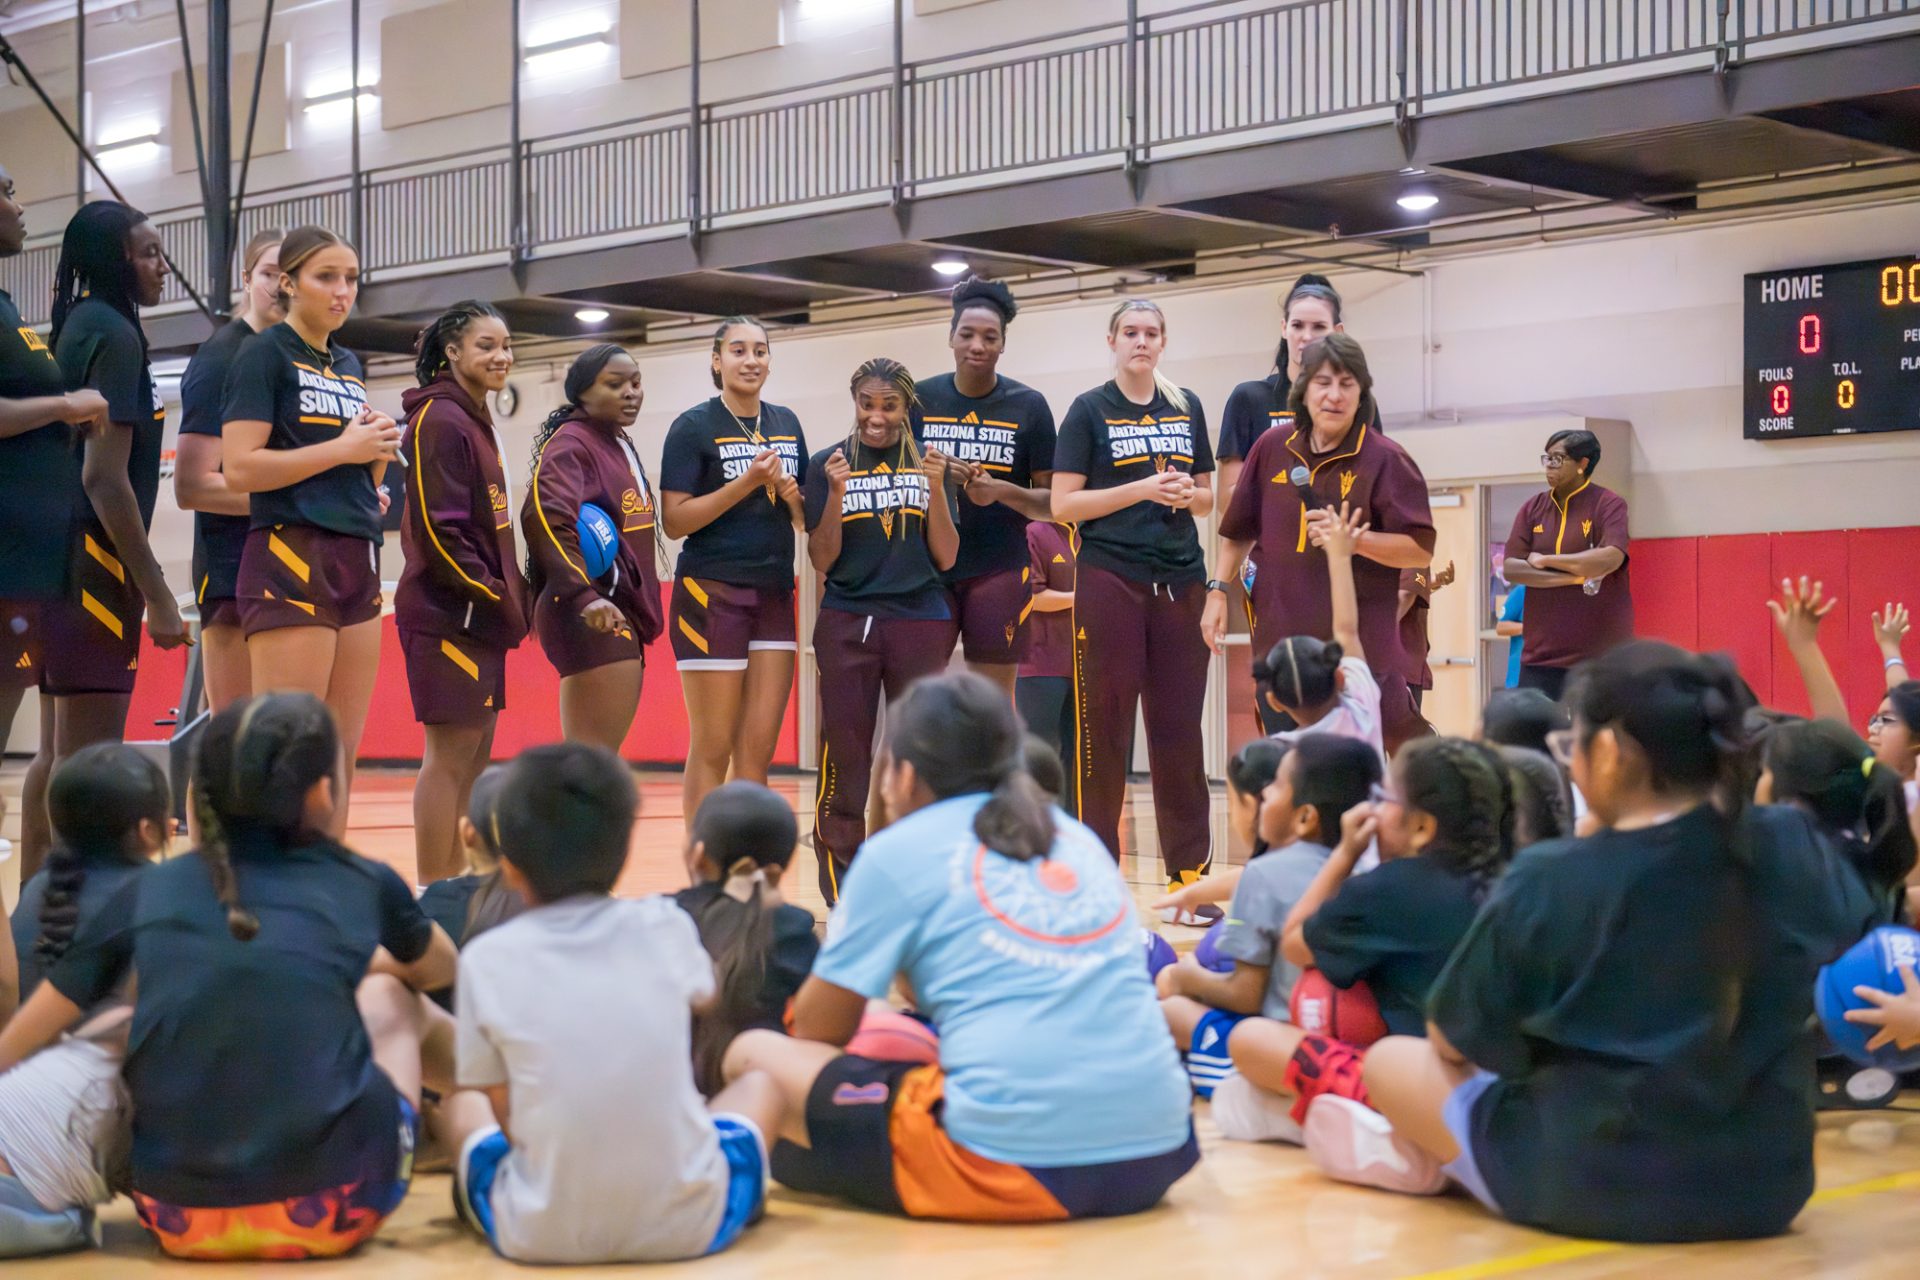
(1139, 643)
(859, 656)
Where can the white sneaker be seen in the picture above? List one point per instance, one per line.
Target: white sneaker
(1202, 917)
(1354, 1143)
(6, 848)
(1247, 1113)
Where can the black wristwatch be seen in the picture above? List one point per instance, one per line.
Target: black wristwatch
(1214, 584)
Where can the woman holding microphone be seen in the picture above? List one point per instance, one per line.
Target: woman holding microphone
(1295, 480)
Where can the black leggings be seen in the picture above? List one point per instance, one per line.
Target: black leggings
(1046, 704)
(1551, 681)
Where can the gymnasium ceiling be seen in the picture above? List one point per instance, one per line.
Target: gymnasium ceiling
(1818, 125)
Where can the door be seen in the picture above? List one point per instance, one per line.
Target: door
(1453, 621)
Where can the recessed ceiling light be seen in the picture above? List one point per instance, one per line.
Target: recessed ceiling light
(1417, 201)
(591, 315)
(950, 266)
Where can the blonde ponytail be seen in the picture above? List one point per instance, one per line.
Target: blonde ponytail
(1168, 390)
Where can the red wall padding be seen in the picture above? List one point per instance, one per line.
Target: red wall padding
(1711, 593)
(531, 716)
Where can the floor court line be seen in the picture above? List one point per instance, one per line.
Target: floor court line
(1571, 1250)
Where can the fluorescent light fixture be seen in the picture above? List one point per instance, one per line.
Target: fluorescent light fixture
(591, 315)
(950, 267)
(139, 147)
(589, 41)
(1417, 201)
(340, 101)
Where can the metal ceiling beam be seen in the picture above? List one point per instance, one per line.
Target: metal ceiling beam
(1069, 245)
(1856, 122)
(879, 279)
(1556, 175)
(1264, 209)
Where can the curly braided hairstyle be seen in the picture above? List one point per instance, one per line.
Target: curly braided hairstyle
(1465, 787)
(251, 775)
(892, 372)
(447, 329)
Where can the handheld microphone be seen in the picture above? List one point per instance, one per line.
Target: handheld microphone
(1302, 481)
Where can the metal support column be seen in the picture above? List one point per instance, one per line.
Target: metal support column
(516, 162)
(1131, 85)
(80, 99)
(897, 135)
(696, 131)
(357, 212)
(219, 174)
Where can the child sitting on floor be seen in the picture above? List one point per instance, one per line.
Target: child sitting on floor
(582, 1136)
(64, 1114)
(1445, 830)
(1321, 778)
(466, 906)
(762, 947)
(275, 1080)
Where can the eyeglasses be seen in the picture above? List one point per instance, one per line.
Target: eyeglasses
(1554, 461)
(1379, 793)
(1560, 746)
(1882, 720)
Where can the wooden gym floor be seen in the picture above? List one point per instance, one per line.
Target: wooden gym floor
(1247, 1211)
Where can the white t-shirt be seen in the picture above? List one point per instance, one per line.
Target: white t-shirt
(1356, 715)
(583, 1009)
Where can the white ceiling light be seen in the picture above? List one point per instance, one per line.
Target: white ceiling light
(591, 315)
(139, 147)
(340, 101)
(583, 47)
(950, 267)
(1418, 201)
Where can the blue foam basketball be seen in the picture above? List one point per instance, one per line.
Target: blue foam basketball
(1874, 961)
(1208, 952)
(599, 540)
(1159, 954)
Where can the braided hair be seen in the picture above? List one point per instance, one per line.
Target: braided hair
(1464, 787)
(991, 294)
(893, 373)
(96, 801)
(94, 263)
(430, 347)
(256, 763)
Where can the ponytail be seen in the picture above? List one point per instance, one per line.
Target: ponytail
(961, 736)
(96, 801)
(1168, 389)
(1299, 671)
(256, 763)
(1825, 768)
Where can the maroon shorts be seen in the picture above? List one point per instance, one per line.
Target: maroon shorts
(295, 575)
(454, 680)
(993, 610)
(715, 625)
(92, 635)
(224, 612)
(572, 646)
(22, 644)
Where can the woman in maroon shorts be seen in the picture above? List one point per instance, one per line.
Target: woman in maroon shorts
(594, 631)
(875, 529)
(299, 438)
(461, 603)
(730, 478)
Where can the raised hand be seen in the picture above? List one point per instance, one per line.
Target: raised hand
(1890, 628)
(1800, 609)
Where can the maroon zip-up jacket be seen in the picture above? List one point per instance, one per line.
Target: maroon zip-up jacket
(584, 461)
(462, 576)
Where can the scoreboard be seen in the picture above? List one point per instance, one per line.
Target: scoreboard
(1832, 350)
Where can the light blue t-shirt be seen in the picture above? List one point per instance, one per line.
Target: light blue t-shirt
(1514, 610)
(1051, 1038)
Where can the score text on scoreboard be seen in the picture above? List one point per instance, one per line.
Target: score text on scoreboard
(1833, 350)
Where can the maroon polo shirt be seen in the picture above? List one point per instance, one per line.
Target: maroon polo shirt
(1050, 549)
(1290, 591)
(1414, 638)
(1564, 626)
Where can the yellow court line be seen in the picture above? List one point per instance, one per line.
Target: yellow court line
(1571, 1250)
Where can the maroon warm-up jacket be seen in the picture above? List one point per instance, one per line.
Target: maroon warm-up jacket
(585, 462)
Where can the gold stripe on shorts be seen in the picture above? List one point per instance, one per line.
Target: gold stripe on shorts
(460, 659)
(698, 640)
(693, 589)
(102, 613)
(106, 559)
(286, 556)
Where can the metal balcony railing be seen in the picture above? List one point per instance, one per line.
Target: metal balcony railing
(1209, 76)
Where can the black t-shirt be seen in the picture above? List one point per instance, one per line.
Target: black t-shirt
(280, 380)
(1393, 929)
(885, 568)
(218, 540)
(250, 1069)
(750, 544)
(1645, 998)
(102, 349)
(104, 879)
(39, 469)
(1112, 441)
(1009, 432)
(789, 959)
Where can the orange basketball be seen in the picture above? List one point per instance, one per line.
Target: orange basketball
(1351, 1015)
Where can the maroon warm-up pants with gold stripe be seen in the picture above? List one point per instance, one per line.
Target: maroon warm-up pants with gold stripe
(859, 656)
(1139, 643)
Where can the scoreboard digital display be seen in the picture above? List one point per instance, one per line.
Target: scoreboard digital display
(1833, 350)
